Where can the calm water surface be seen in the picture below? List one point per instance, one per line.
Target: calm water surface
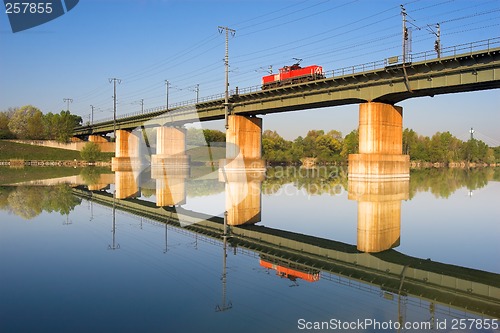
(72, 263)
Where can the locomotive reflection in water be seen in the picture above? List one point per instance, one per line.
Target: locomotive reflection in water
(289, 269)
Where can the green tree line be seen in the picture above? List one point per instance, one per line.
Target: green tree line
(202, 137)
(29, 123)
(331, 147)
(446, 148)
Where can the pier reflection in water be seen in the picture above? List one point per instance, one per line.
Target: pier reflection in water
(397, 286)
(243, 196)
(379, 212)
(126, 182)
(170, 185)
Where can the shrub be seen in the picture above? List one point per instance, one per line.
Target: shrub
(91, 152)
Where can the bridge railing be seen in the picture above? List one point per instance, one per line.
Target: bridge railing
(356, 68)
(461, 49)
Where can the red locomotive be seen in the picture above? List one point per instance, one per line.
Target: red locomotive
(291, 75)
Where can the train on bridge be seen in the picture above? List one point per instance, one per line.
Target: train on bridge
(291, 75)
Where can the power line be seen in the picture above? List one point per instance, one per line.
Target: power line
(471, 15)
(281, 10)
(292, 21)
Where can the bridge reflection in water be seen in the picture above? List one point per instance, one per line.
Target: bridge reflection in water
(370, 265)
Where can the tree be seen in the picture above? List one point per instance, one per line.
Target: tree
(325, 147)
(275, 148)
(214, 136)
(350, 144)
(5, 132)
(63, 124)
(496, 154)
(422, 151)
(410, 138)
(91, 152)
(26, 123)
(297, 150)
(309, 143)
(328, 146)
(50, 125)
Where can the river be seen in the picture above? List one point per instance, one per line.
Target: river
(323, 253)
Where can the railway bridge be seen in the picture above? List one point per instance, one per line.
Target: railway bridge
(377, 87)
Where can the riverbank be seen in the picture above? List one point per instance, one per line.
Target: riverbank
(16, 154)
(451, 165)
(19, 154)
(45, 163)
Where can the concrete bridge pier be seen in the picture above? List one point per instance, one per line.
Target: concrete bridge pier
(244, 144)
(170, 166)
(97, 138)
(127, 149)
(380, 144)
(103, 143)
(379, 212)
(170, 147)
(243, 170)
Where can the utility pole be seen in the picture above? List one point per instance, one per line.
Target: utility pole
(437, 43)
(226, 63)
(405, 48)
(142, 105)
(91, 211)
(438, 40)
(167, 221)
(196, 89)
(68, 221)
(167, 85)
(225, 305)
(471, 133)
(405, 35)
(91, 115)
(114, 80)
(67, 101)
(114, 245)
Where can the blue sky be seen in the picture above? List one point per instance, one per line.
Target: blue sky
(145, 42)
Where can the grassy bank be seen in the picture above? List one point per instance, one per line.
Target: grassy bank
(19, 151)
